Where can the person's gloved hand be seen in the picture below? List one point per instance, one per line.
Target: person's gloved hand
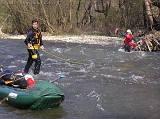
(42, 47)
(29, 45)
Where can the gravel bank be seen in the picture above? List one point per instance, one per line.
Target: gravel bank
(81, 39)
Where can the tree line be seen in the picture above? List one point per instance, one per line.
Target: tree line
(83, 16)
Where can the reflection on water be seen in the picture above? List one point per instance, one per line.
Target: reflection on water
(115, 84)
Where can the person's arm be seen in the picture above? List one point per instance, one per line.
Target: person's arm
(30, 35)
(40, 38)
(27, 40)
(41, 42)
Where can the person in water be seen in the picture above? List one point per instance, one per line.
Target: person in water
(128, 44)
(33, 42)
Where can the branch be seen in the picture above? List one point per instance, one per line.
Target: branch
(156, 3)
(33, 15)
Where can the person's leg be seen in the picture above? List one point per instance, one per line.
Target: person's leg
(29, 63)
(127, 48)
(37, 64)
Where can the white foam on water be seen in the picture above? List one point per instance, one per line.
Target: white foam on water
(115, 69)
(41, 55)
(137, 77)
(91, 64)
(94, 94)
(83, 70)
(10, 56)
(59, 50)
(114, 77)
(21, 61)
(99, 106)
(121, 49)
(51, 59)
(110, 76)
(77, 96)
(141, 54)
(67, 50)
(48, 74)
(65, 85)
(63, 73)
(83, 52)
(44, 75)
(12, 66)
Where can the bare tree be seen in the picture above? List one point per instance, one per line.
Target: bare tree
(149, 11)
(84, 15)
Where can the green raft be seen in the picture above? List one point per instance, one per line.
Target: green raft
(43, 95)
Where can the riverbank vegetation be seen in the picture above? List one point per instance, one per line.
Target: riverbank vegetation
(103, 16)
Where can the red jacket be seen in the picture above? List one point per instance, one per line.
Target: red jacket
(128, 39)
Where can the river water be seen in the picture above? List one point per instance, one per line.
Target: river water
(114, 84)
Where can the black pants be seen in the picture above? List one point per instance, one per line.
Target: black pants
(127, 48)
(31, 60)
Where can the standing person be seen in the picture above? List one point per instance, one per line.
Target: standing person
(33, 42)
(128, 44)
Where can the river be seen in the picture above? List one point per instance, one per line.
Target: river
(113, 85)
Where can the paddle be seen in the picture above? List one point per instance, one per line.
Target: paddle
(60, 77)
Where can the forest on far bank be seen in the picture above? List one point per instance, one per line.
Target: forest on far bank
(80, 16)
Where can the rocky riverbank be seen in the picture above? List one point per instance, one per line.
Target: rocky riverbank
(81, 39)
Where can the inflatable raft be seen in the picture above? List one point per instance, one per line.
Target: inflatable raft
(41, 96)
